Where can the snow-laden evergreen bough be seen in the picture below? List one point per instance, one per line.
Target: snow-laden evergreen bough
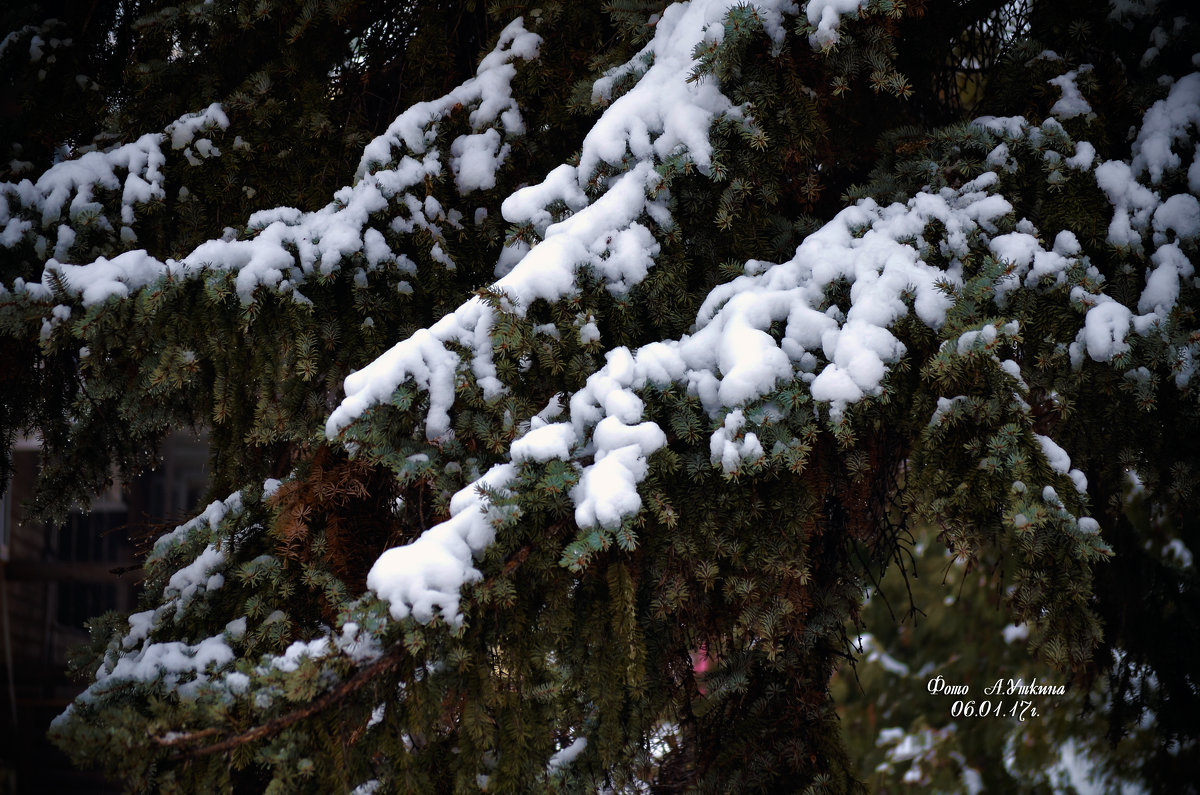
(619, 450)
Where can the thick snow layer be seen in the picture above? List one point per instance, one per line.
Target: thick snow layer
(65, 194)
(201, 575)
(66, 190)
(183, 667)
(168, 662)
(1011, 126)
(1072, 103)
(427, 574)
(1014, 633)
(1177, 217)
(191, 668)
(769, 326)
(734, 342)
(1175, 550)
(1105, 327)
(725, 447)
(210, 517)
(1060, 462)
(1163, 281)
(664, 112)
(844, 352)
(98, 281)
(183, 131)
(544, 443)
(607, 490)
(1165, 125)
(729, 360)
(826, 15)
(1085, 155)
(1133, 203)
(1141, 216)
(299, 650)
(478, 154)
(319, 240)
(1029, 264)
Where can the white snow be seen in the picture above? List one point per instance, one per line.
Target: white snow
(168, 662)
(1010, 126)
(589, 332)
(826, 15)
(490, 92)
(1015, 632)
(1105, 326)
(607, 490)
(544, 443)
(566, 756)
(726, 449)
(1084, 155)
(427, 574)
(183, 131)
(321, 239)
(98, 281)
(1072, 103)
(1193, 174)
(210, 517)
(198, 577)
(1175, 550)
(179, 665)
(728, 361)
(141, 163)
(476, 159)
(1132, 202)
(661, 115)
(65, 194)
(874, 652)
(1163, 281)
(1167, 123)
(1030, 264)
(298, 651)
(1179, 215)
(665, 112)
(186, 668)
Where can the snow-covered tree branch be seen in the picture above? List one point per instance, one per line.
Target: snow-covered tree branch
(606, 362)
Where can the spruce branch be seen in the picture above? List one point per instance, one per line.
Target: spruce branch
(276, 725)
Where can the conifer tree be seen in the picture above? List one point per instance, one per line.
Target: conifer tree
(654, 338)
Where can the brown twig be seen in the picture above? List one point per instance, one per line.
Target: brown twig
(276, 725)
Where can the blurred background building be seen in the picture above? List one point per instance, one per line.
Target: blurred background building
(53, 579)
